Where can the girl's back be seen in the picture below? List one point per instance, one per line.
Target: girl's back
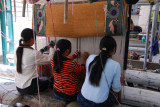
(66, 80)
(109, 76)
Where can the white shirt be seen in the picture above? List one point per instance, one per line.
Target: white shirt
(99, 94)
(30, 58)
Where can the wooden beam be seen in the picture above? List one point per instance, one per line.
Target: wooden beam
(24, 8)
(65, 11)
(61, 1)
(146, 97)
(143, 77)
(136, 49)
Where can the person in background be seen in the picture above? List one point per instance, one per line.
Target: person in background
(66, 72)
(102, 75)
(26, 59)
(135, 28)
(131, 25)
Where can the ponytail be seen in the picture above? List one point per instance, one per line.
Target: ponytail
(61, 46)
(26, 35)
(57, 61)
(19, 54)
(96, 67)
(107, 45)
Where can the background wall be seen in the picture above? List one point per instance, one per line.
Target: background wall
(143, 18)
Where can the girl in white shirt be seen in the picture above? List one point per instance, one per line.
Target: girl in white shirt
(102, 75)
(26, 59)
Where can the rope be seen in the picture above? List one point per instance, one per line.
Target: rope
(72, 7)
(96, 22)
(96, 19)
(37, 79)
(6, 39)
(36, 69)
(53, 22)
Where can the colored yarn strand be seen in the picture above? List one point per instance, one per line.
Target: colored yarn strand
(53, 22)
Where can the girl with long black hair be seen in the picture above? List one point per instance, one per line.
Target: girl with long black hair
(26, 59)
(66, 72)
(102, 74)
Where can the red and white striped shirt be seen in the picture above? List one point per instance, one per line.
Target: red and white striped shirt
(67, 79)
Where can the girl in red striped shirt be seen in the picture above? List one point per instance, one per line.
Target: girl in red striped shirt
(66, 72)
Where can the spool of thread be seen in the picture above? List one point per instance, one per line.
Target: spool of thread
(143, 39)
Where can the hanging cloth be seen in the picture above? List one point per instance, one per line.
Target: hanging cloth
(155, 47)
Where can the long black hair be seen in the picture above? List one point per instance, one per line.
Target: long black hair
(61, 46)
(26, 35)
(107, 44)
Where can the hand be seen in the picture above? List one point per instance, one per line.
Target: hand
(51, 44)
(44, 49)
(122, 78)
(84, 57)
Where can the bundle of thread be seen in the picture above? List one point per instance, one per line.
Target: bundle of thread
(75, 55)
(133, 55)
(46, 48)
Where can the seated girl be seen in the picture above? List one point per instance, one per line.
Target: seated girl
(102, 75)
(26, 59)
(66, 72)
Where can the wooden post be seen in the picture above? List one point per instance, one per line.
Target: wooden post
(143, 97)
(143, 77)
(24, 8)
(65, 11)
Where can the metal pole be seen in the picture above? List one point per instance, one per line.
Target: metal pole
(3, 32)
(10, 26)
(154, 27)
(147, 39)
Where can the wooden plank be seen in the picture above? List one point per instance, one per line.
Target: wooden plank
(146, 97)
(53, 1)
(137, 45)
(136, 49)
(24, 8)
(143, 77)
